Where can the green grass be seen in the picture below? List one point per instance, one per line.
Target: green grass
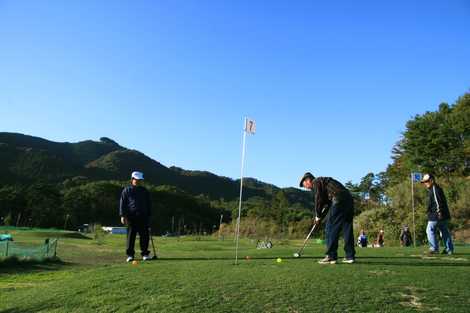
(199, 276)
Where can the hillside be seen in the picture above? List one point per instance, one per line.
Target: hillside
(28, 159)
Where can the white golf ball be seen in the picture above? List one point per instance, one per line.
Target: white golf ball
(296, 255)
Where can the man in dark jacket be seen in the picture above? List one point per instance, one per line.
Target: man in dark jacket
(135, 210)
(330, 195)
(438, 216)
(405, 237)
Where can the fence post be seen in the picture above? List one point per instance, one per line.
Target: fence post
(6, 251)
(46, 242)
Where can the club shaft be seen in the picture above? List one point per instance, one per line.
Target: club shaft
(306, 239)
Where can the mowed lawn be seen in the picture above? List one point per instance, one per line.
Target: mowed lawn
(198, 275)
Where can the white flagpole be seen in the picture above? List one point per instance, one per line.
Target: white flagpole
(413, 206)
(241, 193)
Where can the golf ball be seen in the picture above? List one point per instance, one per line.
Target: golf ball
(278, 260)
(248, 257)
(296, 255)
(135, 262)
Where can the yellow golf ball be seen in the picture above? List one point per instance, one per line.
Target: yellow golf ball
(135, 262)
(279, 260)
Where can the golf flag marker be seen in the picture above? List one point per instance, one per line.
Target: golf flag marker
(249, 128)
(417, 177)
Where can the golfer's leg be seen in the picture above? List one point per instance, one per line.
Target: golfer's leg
(446, 236)
(431, 233)
(349, 239)
(131, 233)
(144, 239)
(335, 222)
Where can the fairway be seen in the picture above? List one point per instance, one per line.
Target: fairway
(197, 275)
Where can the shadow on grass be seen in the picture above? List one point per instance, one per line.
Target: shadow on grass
(43, 307)
(16, 265)
(420, 263)
(360, 260)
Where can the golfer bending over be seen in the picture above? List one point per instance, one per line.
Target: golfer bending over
(135, 209)
(330, 195)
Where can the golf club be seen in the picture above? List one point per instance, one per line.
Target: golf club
(298, 254)
(154, 257)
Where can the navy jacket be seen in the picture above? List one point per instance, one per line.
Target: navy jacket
(135, 203)
(436, 193)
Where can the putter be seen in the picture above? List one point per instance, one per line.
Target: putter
(154, 257)
(299, 254)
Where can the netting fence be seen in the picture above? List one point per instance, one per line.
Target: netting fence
(38, 251)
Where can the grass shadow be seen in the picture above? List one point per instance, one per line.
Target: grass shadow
(417, 263)
(15, 265)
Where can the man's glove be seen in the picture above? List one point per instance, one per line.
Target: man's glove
(123, 220)
(316, 220)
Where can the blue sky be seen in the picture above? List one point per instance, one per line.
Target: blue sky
(331, 84)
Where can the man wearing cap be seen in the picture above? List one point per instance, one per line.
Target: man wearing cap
(135, 210)
(330, 195)
(438, 217)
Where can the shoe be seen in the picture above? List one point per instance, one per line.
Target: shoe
(129, 259)
(146, 257)
(327, 260)
(449, 252)
(349, 261)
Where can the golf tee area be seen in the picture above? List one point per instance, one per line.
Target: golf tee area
(198, 274)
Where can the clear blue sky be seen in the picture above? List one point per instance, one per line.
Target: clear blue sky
(330, 83)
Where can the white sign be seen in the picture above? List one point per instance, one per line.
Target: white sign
(250, 126)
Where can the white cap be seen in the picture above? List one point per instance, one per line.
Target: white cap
(137, 175)
(426, 178)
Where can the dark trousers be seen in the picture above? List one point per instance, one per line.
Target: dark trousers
(340, 220)
(140, 227)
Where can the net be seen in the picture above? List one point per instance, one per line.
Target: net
(46, 250)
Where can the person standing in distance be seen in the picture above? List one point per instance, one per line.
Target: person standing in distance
(135, 209)
(332, 196)
(438, 217)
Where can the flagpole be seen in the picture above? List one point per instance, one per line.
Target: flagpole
(413, 206)
(241, 193)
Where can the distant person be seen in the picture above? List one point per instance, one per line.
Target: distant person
(380, 242)
(405, 237)
(135, 210)
(438, 217)
(330, 195)
(362, 239)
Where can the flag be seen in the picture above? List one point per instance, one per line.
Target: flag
(416, 177)
(250, 126)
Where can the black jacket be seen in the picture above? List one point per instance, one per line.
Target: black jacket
(135, 203)
(436, 193)
(328, 190)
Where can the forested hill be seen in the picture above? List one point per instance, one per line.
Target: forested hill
(27, 159)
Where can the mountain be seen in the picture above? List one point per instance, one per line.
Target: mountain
(26, 159)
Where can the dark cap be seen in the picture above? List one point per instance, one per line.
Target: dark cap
(306, 175)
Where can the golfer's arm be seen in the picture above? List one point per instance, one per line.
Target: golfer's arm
(123, 210)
